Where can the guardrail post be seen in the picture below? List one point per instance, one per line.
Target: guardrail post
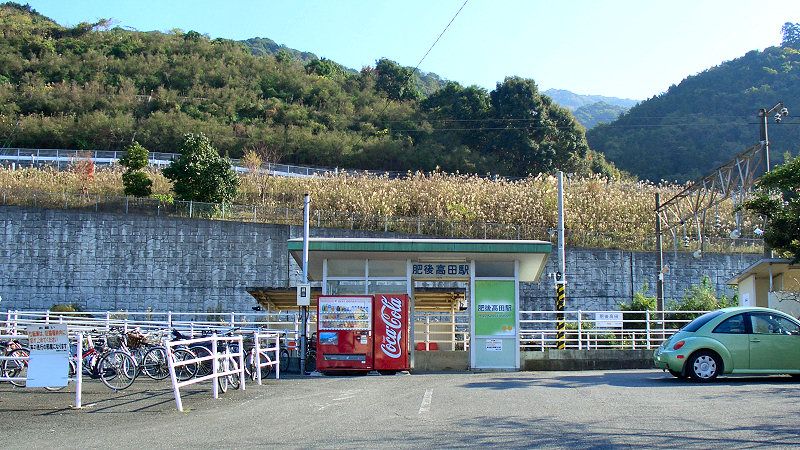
(47, 317)
(171, 365)
(257, 357)
(233, 320)
(169, 319)
(647, 327)
(108, 320)
(580, 330)
(277, 357)
(79, 373)
(214, 367)
(241, 363)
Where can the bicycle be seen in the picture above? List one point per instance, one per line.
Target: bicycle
(152, 359)
(116, 368)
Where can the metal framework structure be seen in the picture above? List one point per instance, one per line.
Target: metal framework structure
(732, 180)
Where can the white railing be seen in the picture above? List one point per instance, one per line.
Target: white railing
(260, 353)
(636, 330)
(216, 357)
(441, 331)
(432, 330)
(187, 322)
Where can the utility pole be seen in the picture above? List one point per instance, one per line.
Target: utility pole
(780, 112)
(660, 259)
(561, 277)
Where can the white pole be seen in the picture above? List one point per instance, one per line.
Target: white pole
(257, 357)
(214, 368)
(277, 356)
(79, 373)
(241, 362)
(173, 378)
(304, 310)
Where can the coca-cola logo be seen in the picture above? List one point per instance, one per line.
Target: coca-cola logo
(392, 316)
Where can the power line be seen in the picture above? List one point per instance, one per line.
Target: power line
(427, 52)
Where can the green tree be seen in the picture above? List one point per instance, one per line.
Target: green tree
(701, 297)
(201, 174)
(135, 181)
(778, 199)
(640, 302)
(791, 35)
(396, 81)
(533, 134)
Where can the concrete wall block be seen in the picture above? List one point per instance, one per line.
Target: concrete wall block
(58, 256)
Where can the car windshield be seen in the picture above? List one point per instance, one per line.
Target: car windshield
(700, 321)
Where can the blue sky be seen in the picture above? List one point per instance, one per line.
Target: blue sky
(624, 48)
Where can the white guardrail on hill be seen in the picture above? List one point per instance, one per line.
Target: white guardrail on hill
(62, 158)
(432, 330)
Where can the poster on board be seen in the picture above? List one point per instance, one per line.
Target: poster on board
(48, 365)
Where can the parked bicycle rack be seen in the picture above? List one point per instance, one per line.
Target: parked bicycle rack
(214, 358)
(276, 362)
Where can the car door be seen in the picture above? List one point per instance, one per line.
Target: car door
(732, 333)
(774, 342)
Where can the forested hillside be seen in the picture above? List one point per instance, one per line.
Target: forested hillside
(573, 101)
(594, 114)
(91, 86)
(706, 119)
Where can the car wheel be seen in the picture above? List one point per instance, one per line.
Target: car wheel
(676, 374)
(704, 366)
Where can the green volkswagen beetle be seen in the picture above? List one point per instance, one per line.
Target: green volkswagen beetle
(733, 340)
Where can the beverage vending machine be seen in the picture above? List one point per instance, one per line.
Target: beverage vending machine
(363, 332)
(344, 333)
(391, 333)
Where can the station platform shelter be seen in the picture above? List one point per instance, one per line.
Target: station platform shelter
(465, 289)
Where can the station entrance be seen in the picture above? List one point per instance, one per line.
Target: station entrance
(463, 294)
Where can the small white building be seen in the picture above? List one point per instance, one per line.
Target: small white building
(770, 283)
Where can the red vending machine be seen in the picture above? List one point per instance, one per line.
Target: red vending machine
(391, 332)
(344, 333)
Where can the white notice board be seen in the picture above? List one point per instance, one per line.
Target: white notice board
(49, 360)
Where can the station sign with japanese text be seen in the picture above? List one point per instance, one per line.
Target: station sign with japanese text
(440, 271)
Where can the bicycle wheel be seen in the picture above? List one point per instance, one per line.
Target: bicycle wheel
(224, 380)
(16, 368)
(266, 370)
(117, 370)
(204, 367)
(311, 361)
(154, 363)
(233, 379)
(71, 374)
(186, 371)
(284, 360)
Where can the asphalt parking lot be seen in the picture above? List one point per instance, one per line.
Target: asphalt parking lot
(591, 409)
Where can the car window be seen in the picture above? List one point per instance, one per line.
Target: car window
(700, 321)
(766, 323)
(732, 325)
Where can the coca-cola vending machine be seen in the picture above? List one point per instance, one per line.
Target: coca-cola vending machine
(391, 313)
(344, 333)
(363, 332)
